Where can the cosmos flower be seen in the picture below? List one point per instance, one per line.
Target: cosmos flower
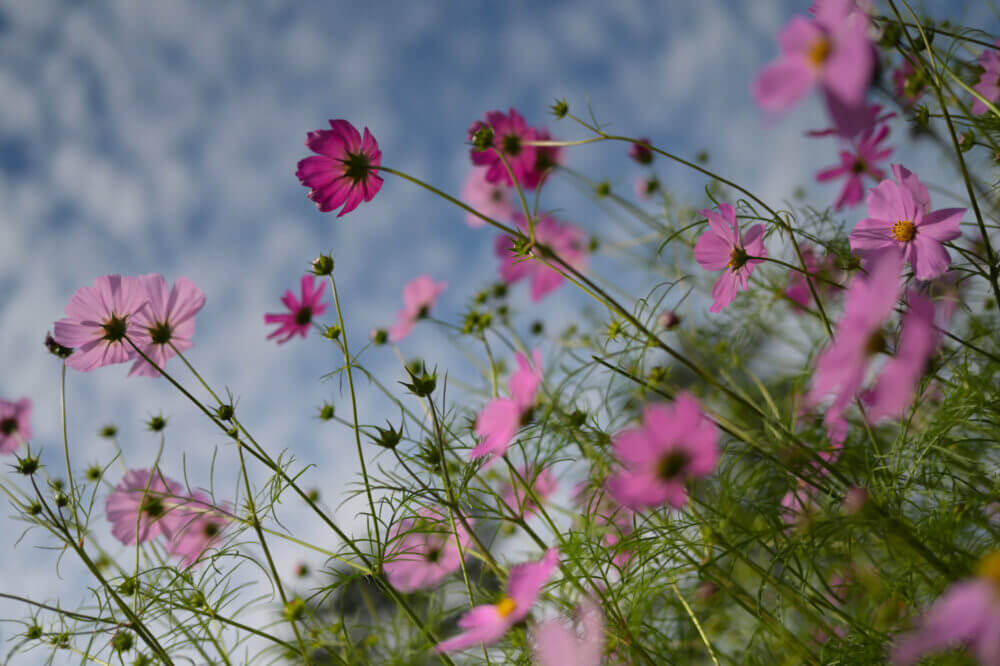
(640, 151)
(419, 296)
(424, 550)
(490, 199)
(907, 86)
(563, 239)
(344, 172)
(798, 288)
(15, 424)
(723, 247)
(510, 131)
(858, 163)
(141, 507)
(556, 643)
(198, 526)
(301, 312)
(547, 158)
(543, 484)
(989, 81)
(501, 418)
(167, 320)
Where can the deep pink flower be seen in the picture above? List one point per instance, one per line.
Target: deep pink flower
(543, 484)
(198, 525)
(424, 550)
(900, 221)
(98, 319)
(723, 248)
(565, 240)
(640, 151)
(167, 320)
(547, 158)
(907, 89)
(486, 624)
(798, 288)
(143, 503)
(301, 313)
(490, 199)
(510, 131)
(15, 424)
(989, 82)
(555, 643)
(849, 122)
(857, 163)
(501, 418)
(674, 443)
(419, 296)
(345, 169)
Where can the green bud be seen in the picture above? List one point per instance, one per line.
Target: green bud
(332, 332)
(61, 499)
(537, 328)
(499, 290)
(122, 641)
(34, 509)
(482, 138)
(142, 660)
(326, 412)
(27, 465)
(388, 438)
(701, 157)
(313, 495)
(421, 383)
(967, 141)
(577, 418)
(33, 633)
(560, 108)
(294, 609)
(380, 336)
(891, 33)
(108, 431)
(322, 265)
(225, 412)
(128, 586)
(94, 473)
(602, 189)
(156, 423)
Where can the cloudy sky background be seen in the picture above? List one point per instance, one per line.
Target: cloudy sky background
(162, 137)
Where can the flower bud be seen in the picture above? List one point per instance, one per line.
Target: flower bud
(27, 465)
(322, 265)
(326, 412)
(668, 319)
(379, 336)
(421, 383)
(388, 438)
(55, 348)
(481, 136)
(294, 609)
(156, 423)
(560, 108)
(122, 641)
(602, 189)
(640, 152)
(332, 332)
(108, 432)
(224, 412)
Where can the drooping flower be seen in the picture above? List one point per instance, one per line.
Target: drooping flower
(556, 643)
(900, 221)
(167, 322)
(543, 484)
(563, 239)
(490, 199)
(15, 424)
(424, 550)
(98, 321)
(198, 525)
(858, 163)
(675, 443)
(723, 247)
(344, 172)
(486, 624)
(301, 312)
(142, 505)
(510, 131)
(798, 288)
(419, 296)
(640, 151)
(989, 82)
(501, 418)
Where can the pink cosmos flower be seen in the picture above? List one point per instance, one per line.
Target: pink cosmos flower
(900, 221)
(501, 418)
(856, 164)
(301, 313)
(554, 643)
(989, 82)
(419, 296)
(344, 172)
(565, 240)
(490, 199)
(798, 288)
(510, 131)
(848, 123)
(424, 551)
(907, 89)
(486, 624)
(142, 506)
(547, 158)
(640, 151)
(675, 443)
(543, 484)
(15, 424)
(167, 320)
(98, 319)
(723, 247)
(198, 526)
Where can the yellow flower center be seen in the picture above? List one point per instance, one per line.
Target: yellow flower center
(903, 231)
(819, 51)
(989, 568)
(506, 606)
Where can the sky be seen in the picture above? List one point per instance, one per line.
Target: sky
(162, 138)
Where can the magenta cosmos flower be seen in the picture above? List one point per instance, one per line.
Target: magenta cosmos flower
(486, 624)
(167, 323)
(543, 484)
(966, 615)
(900, 220)
(15, 424)
(345, 170)
(674, 443)
(557, 643)
(723, 247)
(510, 131)
(858, 163)
(490, 199)
(419, 296)
(198, 525)
(640, 151)
(98, 320)
(989, 82)
(142, 505)
(424, 550)
(501, 418)
(301, 312)
(547, 158)
(565, 240)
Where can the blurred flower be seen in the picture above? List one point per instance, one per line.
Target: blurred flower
(563, 239)
(15, 424)
(142, 505)
(989, 82)
(419, 296)
(668, 319)
(198, 526)
(907, 83)
(501, 418)
(723, 247)
(640, 152)
(603, 511)
(424, 550)
(510, 131)
(345, 169)
(646, 187)
(301, 313)
(857, 164)
(543, 484)
(546, 159)
(490, 199)
(167, 322)
(798, 288)
(556, 644)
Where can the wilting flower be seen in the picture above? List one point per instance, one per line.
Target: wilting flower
(501, 418)
(344, 172)
(900, 221)
(490, 199)
(563, 239)
(907, 84)
(640, 151)
(543, 484)
(301, 312)
(15, 424)
(674, 443)
(98, 320)
(723, 247)
(424, 550)
(198, 526)
(486, 624)
(798, 288)
(419, 296)
(510, 131)
(554, 643)
(989, 82)
(142, 505)
(856, 164)
(167, 322)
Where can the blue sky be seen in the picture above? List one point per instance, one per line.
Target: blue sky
(162, 137)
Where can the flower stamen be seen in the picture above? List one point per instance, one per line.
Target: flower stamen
(903, 231)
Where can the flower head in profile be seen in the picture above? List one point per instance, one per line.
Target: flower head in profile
(501, 418)
(424, 550)
(301, 311)
(344, 172)
(510, 131)
(167, 323)
(723, 247)
(198, 525)
(563, 239)
(490, 199)
(98, 321)
(556, 643)
(486, 624)
(142, 505)
(675, 443)
(15, 424)
(543, 483)
(989, 82)
(857, 164)
(419, 296)
(900, 221)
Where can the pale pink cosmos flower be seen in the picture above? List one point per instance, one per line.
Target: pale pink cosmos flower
(15, 424)
(900, 221)
(486, 624)
(142, 505)
(543, 484)
(675, 443)
(989, 82)
(344, 172)
(419, 296)
(510, 131)
(565, 240)
(858, 163)
(198, 525)
(166, 323)
(556, 643)
(723, 248)
(424, 550)
(98, 321)
(301, 312)
(490, 199)
(501, 418)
